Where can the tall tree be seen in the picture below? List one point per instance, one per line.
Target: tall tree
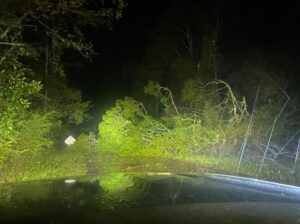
(33, 36)
(182, 46)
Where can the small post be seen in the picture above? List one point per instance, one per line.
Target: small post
(297, 155)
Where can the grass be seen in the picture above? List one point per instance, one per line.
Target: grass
(59, 164)
(202, 164)
(73, 163)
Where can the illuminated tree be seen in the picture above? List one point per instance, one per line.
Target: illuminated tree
(33, 35)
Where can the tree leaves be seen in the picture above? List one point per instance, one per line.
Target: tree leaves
(29, 30)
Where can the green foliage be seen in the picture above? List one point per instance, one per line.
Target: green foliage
(128, 129)
(119, 131)
(164, 95)
(33, 133)
(69, 103)
(274, 87)
(15, 94)
(85, 142)
(33, 36)
(16, 89)
(62, 20)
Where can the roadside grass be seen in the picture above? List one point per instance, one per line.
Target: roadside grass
(58, 164)
(209, 164)
(73, 162)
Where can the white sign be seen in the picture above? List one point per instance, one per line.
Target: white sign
(70, 140)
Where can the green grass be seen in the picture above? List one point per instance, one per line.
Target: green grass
(53, 165)
(73, 163)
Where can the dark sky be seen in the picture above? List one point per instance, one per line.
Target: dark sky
(101, 79)
(267, 25)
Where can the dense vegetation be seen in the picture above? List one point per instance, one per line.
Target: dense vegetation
(36, 105)
(192, 99)
(191, 104)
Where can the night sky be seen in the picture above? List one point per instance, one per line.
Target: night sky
(271, 27)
